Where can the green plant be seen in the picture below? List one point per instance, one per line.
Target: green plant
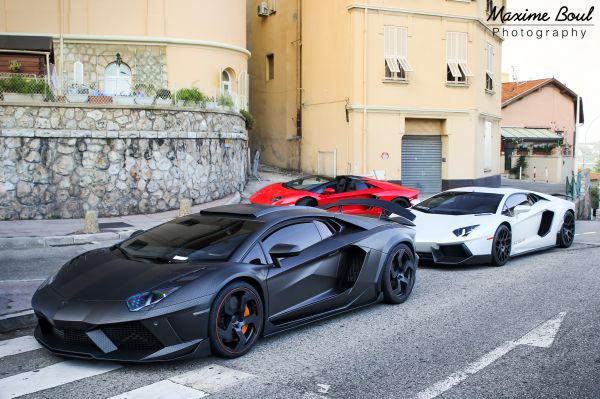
(594, 200)
(520, 165)
(597, 166)
(163, 93)
(544, 149)
(22, 85)
(147, 89)
(192, 95)
(225, 100)
(54, 215)
(14, 66)
(249, 119)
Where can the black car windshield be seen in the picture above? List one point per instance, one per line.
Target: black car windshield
(308, 183)
(460, 203)
(191, 238)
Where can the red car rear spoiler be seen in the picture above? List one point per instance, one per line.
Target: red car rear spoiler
(387, 208)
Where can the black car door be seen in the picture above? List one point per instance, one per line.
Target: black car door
(304, 283)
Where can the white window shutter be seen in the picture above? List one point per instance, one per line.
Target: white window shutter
(462, 43)
(451, 54)
(247, 90)
(487, 146)
(78, 73)
(402, 49)
(490, 59)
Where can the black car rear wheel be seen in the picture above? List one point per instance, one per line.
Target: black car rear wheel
(236, 320)
(403, 202)
(501, 246)
(306, 202)
(399, 274)
(567, 231)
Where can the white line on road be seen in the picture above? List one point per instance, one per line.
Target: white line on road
(52, 376)
(162, 389)
(541, 336)
(22, 281)
(15, 346)
(212, 378)
(586, 233)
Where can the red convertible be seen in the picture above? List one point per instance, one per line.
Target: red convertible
(322, 190)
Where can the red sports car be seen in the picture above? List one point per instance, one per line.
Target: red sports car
(322, 190)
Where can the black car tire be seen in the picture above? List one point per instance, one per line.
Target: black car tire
(501, 246)
(236, 320)
(306, 202)
(566, 234)
(403, 202)
(399, 274)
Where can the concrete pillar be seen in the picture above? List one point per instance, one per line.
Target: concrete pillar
(185, 207)
(90, 223)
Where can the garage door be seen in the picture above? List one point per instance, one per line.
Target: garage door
(422, 163)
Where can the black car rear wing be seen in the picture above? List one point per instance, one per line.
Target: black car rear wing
(404, 217)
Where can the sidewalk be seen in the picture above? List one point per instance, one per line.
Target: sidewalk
(15, 295)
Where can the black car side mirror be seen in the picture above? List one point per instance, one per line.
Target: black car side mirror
(280, 251)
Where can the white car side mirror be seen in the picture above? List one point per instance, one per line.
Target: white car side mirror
(519, 209)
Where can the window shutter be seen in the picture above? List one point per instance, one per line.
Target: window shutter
(490, 59)
(487, 146)
(452, 54)
(461, 45)
(78, 73)
(395, 45)
(402, 48)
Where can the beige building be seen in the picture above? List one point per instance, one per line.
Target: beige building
(407, 88)
(539, 119)
(165, 44)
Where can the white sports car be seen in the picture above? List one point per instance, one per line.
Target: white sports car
(479, 225)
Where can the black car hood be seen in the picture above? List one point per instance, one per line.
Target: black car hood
(100, 275)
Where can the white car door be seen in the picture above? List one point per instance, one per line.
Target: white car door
(525, 225)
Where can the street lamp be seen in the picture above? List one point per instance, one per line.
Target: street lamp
(119, 60)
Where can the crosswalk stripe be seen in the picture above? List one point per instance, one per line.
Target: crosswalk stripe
(211, 378)
(162, 389)
(15, 346)
(52, 376)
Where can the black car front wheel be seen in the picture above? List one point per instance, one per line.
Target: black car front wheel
(399, 274)
(236, 320)
(501, 246)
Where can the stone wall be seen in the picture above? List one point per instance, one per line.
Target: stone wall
(56, 161)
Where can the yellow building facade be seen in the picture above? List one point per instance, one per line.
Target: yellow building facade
(169, 44)
(407, 90)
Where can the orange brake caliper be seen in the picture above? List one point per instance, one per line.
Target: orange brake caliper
(246, 314)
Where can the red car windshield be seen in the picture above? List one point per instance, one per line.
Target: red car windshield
(308, 183)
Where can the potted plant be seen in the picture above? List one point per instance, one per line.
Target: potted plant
(77, 93)
(225, 101)
(144, 94)
(163, 97)
(20, 89)
(594, 199)
(14, 66)
(190, 97)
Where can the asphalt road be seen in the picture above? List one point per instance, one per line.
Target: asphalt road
(450, 339)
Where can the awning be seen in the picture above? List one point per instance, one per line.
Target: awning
(27, 43)
(530, 134)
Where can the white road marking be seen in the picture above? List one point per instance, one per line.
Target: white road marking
(52, 376)
(22, 281)
(212, 378)
(17, 314)
(586, 233)
(15, 346)
(541, 336)
(162, 389)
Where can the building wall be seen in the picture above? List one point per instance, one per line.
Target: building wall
(345, 74)
(192, 41)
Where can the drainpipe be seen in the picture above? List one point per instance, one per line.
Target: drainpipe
(365, 98)
(299, 80)
(60, 71)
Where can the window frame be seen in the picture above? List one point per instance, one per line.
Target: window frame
(457, 68)
(118, 78)
(270, 67)
(510, 211)
(281, 226)
(489, 68)
(395, 53)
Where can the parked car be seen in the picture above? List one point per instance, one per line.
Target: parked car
(217, 280)
(323, 190)
(490, 225)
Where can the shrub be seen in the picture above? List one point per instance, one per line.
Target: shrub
(148, 90)
(249, 119)
(594, 197)
(163, 93)
(192, 95)
(521, 163)
(14, 66)
(225, 100)
(21, 85)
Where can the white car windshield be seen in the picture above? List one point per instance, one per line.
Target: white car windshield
(460, 203)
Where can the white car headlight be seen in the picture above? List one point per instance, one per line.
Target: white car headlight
(464, 231)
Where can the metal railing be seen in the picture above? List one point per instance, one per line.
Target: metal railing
(573, 186)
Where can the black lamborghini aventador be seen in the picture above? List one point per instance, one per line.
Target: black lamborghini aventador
(217, 280)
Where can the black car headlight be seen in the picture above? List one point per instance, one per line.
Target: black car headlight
(140, 301)
(464, 231)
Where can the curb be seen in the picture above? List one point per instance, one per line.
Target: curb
(76, 239)
(14, 321)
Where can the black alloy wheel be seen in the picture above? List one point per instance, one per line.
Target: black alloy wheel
(567, 231)
(501, 246)
(403, 202)
(306, 202)
(399, 274)
(236, 320)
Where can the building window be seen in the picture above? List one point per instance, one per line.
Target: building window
(489, 70)
(487, 146)
(395, 52)
(225, 82)
(270, 66)
(78, 73)
(117, 79)
(457, 70)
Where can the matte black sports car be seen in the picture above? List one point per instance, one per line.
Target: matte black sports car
(219, 279)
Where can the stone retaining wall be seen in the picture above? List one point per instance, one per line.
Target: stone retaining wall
(59, 160)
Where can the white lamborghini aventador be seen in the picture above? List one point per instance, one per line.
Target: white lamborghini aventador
(478, 225)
